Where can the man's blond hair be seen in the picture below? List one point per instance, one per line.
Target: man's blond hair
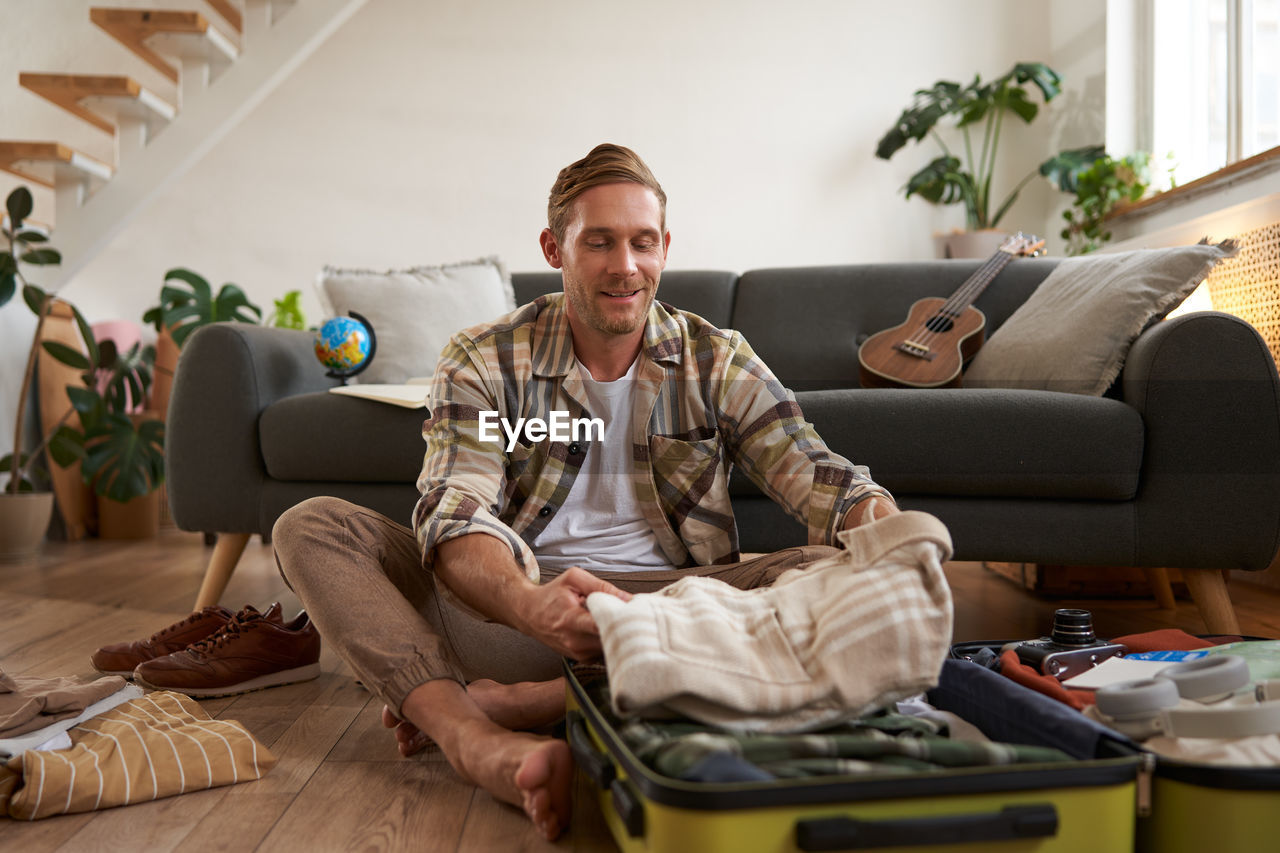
(605, 164)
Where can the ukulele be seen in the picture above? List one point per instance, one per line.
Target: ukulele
(940, 335)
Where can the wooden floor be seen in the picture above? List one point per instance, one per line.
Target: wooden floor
(339, 783)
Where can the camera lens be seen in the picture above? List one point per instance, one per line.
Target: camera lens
(1073, 627)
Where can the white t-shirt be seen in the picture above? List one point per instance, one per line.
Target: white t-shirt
(600, 526)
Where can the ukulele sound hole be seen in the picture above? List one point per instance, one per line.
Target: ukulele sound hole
(940, 323)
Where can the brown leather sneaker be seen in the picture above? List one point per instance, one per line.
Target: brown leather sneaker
(252, 651)
(123, 658)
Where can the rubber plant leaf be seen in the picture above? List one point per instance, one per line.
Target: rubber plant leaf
(42, 257)
(67, 355)
(19, 204)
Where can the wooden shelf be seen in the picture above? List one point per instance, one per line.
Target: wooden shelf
(71, 91)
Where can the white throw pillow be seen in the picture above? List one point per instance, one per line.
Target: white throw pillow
(415, 311)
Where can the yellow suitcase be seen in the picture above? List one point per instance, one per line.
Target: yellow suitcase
(1085, 805)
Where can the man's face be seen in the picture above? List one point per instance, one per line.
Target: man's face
(612, 255)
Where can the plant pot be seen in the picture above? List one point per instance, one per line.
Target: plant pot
(135, 519)
(969, 244)
(24, 518)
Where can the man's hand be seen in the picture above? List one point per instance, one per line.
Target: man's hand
(865, 512)
(556, 613)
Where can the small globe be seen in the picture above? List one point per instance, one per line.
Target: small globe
(345, 345)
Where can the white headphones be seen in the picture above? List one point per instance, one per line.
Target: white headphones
(1222, 704)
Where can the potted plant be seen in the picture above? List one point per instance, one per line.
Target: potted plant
(187, 302)
(121, 454)
(979, 109)
(1107, 182)
(24, 510)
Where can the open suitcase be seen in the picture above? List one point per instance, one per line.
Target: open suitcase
(1189, 807)
(1089, 803)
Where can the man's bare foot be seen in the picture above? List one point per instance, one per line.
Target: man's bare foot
(408, 739)
(524, 706)
(529, 771)
(519, 707)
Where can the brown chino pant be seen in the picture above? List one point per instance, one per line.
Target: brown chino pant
(361, 579)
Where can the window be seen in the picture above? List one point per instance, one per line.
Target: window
(1211, 77)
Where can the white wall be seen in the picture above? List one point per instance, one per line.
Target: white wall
(427, 132)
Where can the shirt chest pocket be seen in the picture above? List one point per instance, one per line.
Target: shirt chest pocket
(692, 487)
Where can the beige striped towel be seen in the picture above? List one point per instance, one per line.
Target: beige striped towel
(833, 641)
(155, 746)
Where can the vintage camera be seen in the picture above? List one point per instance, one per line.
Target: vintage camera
(1070, 649)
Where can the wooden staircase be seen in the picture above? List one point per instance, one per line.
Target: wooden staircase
(222, 59)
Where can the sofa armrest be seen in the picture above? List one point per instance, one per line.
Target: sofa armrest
(1206, 387)
(228, 373)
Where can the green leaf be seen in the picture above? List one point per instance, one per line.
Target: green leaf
(19, 204)
(36, 299)
(86, 334)
(1044, 78)
(197, 281)
(1065, 167)
(30, 236)
(941, 182)
(87, 402)
(107, 355)
(928, 108)
(8, 286)
(1015, 101)
(67, 355)
(42, 257)
(66, 446)
(123, 461)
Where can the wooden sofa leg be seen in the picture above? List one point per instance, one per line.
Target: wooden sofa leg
(1209, 592)
(226, 553)
(1158, 580)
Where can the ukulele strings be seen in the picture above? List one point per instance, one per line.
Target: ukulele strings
(958, 301)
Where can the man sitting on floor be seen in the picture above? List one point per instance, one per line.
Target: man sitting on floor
(518, 524)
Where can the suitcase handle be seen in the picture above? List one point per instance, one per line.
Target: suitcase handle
(593, 762)
(1010, 823)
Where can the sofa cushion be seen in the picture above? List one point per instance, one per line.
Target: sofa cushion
(415, 310)
(323, 437)
(1074, 332)
(981, 442)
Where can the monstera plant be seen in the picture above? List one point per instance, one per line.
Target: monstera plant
(979, 111)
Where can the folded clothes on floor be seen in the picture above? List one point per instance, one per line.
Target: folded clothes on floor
(28, 704)
(45, 738)
(150, 747)
(833, 641)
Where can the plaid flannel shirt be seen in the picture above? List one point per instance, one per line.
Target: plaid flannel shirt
(704, 402)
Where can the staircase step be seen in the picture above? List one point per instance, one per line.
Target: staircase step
(229, 13)
(44, 163)
(153, 34)
(78, 93)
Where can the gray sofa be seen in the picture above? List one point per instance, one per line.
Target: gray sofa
(1176, 466)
